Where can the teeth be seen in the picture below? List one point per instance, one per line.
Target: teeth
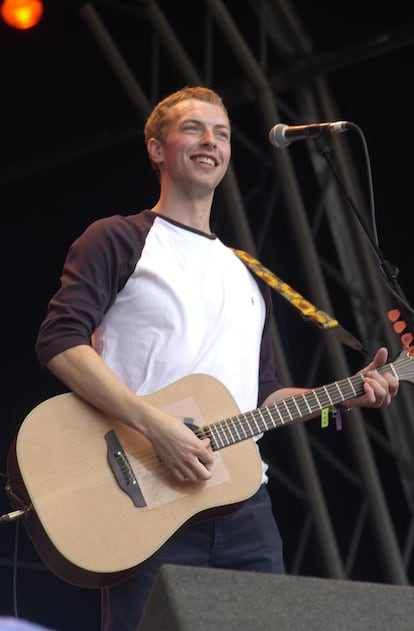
(205, 160)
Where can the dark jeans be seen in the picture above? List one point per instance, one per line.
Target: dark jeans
(247, 539)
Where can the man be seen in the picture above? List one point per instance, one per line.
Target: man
(152, 297)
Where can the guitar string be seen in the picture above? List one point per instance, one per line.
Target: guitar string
(237, 428)
(344, 389)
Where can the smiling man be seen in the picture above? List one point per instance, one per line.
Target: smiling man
(150, 298)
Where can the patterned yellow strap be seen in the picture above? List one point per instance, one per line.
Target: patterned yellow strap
(321, 319)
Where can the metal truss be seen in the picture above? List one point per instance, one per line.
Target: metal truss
(344, 500)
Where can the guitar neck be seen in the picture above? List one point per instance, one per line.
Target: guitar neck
(285, 412)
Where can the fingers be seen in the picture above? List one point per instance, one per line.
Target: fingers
(190, 458)
(379, 389)
(180, 450)
(193, 472)
(379, 359)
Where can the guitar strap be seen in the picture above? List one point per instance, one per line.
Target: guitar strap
(310, 313)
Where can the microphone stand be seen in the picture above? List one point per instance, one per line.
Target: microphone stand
(389, 271)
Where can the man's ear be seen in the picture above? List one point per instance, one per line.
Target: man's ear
(155, 151)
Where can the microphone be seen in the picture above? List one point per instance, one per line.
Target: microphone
(282, 135)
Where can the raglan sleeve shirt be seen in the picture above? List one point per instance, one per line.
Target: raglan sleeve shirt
(97, 267)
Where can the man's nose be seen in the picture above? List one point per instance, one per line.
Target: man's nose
(208, 138)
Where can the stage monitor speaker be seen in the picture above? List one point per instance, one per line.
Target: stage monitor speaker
(201, 599)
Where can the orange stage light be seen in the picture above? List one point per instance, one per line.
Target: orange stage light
(21, 14)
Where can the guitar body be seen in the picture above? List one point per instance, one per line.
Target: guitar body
(82, 522)
(98, 502)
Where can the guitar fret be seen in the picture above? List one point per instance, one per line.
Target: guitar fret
(232, 420)
(295, 402)
(243, 428)
(277, 408)
(255, 422)
(285, 403)
(266, 418)
(352, 385)
(347, 391)
(217, 435)
(340, 391)
(247, 428)
(305, 398)
(225, 430)
(394, 372)
(207, 432)
(286, 411)
(326, 392)
(320, 405)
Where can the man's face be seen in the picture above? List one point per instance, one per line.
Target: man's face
(196, 149)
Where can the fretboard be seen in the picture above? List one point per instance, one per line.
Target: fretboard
(294, 409)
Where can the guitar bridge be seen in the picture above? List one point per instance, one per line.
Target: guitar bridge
(122, 470)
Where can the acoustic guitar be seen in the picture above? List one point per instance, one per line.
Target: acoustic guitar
(98, 502)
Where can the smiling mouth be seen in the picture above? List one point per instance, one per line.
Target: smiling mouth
(205, 160)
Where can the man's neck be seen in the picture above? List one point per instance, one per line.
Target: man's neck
(194, 213)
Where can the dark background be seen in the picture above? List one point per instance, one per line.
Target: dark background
(71, 150)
